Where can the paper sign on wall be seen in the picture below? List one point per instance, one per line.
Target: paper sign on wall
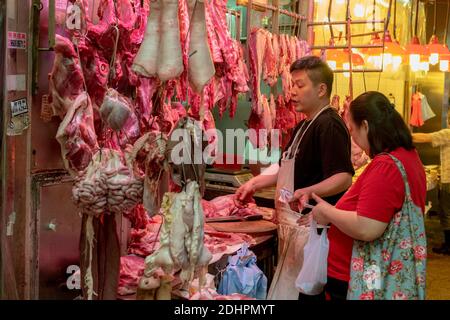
(17, 40)
(19, 107)
(19, 120)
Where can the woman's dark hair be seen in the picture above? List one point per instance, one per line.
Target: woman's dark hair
(387, 130)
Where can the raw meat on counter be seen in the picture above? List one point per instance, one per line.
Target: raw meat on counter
(228, 205)
(219, 242)
(131, 270)
(211, 294)
(138, 217)
(143, 242)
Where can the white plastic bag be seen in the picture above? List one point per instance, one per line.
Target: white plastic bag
(313, 275)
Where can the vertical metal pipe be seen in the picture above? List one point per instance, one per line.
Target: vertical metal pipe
(51, 23)
(310, 20)
(349, 44)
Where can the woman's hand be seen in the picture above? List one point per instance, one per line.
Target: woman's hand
(321, 210)
(305, 220)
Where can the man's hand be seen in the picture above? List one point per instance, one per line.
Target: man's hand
(320, 210)
(244, 192)
(300, 197)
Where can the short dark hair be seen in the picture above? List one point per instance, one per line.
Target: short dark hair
(318, 71)
(387, 130)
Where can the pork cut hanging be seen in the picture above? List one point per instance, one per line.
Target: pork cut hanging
(170, 58)
(146, 60)
(66, 77)
(149, 154)
(76, 135)
(115, 110)
(201, 67)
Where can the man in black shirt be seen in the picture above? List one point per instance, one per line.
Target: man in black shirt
(317, 160)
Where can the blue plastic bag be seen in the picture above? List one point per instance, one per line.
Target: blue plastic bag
(243, 276)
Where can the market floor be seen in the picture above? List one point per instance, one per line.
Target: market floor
(438, 267)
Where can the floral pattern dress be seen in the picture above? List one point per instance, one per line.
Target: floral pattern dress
(392, 267)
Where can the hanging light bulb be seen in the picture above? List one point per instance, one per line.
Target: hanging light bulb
(335, 57)
(396, 62)
(357, 59)
(425, 66)
(416, 52)
(358, 11)
(373, 55)
(436, 50)
(346, 66)
(393, 52)
(332, 64)
(443, 65)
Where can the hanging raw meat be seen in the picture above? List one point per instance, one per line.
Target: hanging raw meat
(270, 71)
(335, 103)
(170, 58)
(76, 135)
(285, 120)
(149, 153)
(66, 77)
(107, 185)
(186, 160)
(257, 46)
(115, 110)
(201, 67)
(181, 237)
(95, 71)
(146, 60)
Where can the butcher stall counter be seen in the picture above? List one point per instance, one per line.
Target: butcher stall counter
(263, 198)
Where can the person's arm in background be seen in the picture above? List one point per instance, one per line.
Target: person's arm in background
(437, 139)
(421, 137)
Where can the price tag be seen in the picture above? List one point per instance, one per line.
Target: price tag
(17, 40)
(19, 107)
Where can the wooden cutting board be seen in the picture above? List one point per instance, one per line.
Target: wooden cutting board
(255, 227)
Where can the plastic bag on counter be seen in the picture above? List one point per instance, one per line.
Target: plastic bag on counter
(243, 276)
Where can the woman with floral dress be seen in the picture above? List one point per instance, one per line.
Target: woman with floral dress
(377, 236)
